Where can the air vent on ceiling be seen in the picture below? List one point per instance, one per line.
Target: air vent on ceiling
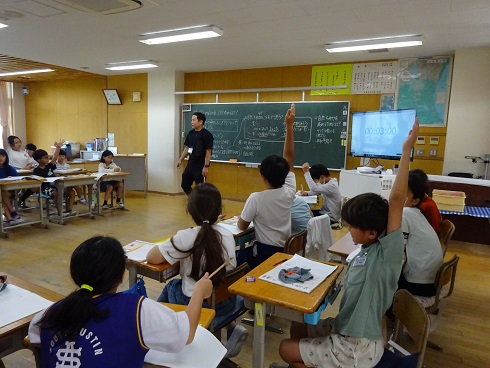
(375, 51)
(104, 7)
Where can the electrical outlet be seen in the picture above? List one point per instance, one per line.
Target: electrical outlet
(420, 140)
(433, 152)
(419, 152)
(434, 141)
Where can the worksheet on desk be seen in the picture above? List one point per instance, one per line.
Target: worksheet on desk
(320, 272)
(137, 250)
(17, 303)
(231, 224)
(206, 351)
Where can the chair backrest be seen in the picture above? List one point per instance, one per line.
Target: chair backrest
(319, 203)
(319, 238)
(446, 275)
(296, 243)
(413, 316)
(446, 231)
(221, 292)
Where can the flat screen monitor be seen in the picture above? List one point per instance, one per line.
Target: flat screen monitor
(380, 134)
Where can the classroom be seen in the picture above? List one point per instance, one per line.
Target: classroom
(267, 53)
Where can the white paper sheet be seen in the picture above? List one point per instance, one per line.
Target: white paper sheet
(230, 224)
(206, 351)
(17, 303)
(320, 272)
(137, 250)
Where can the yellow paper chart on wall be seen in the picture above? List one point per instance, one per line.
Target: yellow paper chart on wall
(331, 75)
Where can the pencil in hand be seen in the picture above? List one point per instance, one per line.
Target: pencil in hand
(220, 267)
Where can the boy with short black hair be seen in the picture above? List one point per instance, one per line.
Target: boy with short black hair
(321, 183)
(355, 336)
(46, 170)
(270, 210)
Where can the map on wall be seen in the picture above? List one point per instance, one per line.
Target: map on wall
(424, 85)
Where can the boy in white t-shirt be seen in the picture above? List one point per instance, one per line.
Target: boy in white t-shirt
(270, 210)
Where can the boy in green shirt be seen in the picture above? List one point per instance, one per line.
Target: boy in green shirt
(355, 336)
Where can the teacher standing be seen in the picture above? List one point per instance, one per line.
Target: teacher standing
(198, 145)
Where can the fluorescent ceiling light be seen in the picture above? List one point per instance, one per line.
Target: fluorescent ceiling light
(130, 65)
(3, 25)
(375, 43)
(182, 34)
(26, 72)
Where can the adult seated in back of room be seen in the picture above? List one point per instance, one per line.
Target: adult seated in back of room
(321, 183)
(270, 210)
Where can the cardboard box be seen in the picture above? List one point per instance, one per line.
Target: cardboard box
(449, 200)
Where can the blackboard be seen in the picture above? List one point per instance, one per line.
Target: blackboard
(249, 132)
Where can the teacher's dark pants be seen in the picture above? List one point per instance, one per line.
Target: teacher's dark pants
(191, 174)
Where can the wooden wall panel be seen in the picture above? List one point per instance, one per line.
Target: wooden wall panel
(248, 179)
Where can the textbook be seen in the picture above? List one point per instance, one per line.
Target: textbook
(319, 270)
(205, 351)
(231, 224)
(137, 250)
(67, 171)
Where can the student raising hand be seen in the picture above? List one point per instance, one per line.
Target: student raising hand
(290, 115)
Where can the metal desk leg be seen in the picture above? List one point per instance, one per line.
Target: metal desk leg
(133, 274)
(259, 335)
(2, 231)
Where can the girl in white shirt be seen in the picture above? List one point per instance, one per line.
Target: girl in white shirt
(108, 166)
(199, 250)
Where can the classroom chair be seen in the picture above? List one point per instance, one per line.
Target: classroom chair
(410, 314)
(36, 350)
(296, 243)
(444, 284)
(220, 294)
(446, 231)
(319, 238)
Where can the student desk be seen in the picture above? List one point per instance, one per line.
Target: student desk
(207, 314)
(64, 182)
(12, 335)
(163, 272)
(289, 303)
(343, 247)
(6, 185)
(117, 176)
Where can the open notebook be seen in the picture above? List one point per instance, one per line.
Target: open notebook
(206, 351)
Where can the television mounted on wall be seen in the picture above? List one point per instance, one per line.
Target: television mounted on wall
(380, 134)
(112, 96)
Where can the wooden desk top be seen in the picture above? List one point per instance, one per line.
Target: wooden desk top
(151, 266)
(39, 290)
(344, 246)
(267, 292)
(207, 314)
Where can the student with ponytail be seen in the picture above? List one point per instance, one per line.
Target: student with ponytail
(95, 326)
(201, 249)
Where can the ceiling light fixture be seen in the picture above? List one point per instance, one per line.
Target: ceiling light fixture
(22, 72)
(181, 34)
(3, 25)
(375, 43)
(130, 65)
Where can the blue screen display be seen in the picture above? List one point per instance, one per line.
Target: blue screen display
(380, 134)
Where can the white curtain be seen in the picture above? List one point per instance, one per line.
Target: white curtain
(5, 108)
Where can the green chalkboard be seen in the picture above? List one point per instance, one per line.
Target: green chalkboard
(249, 132)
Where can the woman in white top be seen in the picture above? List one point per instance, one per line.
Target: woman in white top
(19, 159)
(108, 166)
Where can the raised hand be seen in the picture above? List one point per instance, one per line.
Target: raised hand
(290, 115)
